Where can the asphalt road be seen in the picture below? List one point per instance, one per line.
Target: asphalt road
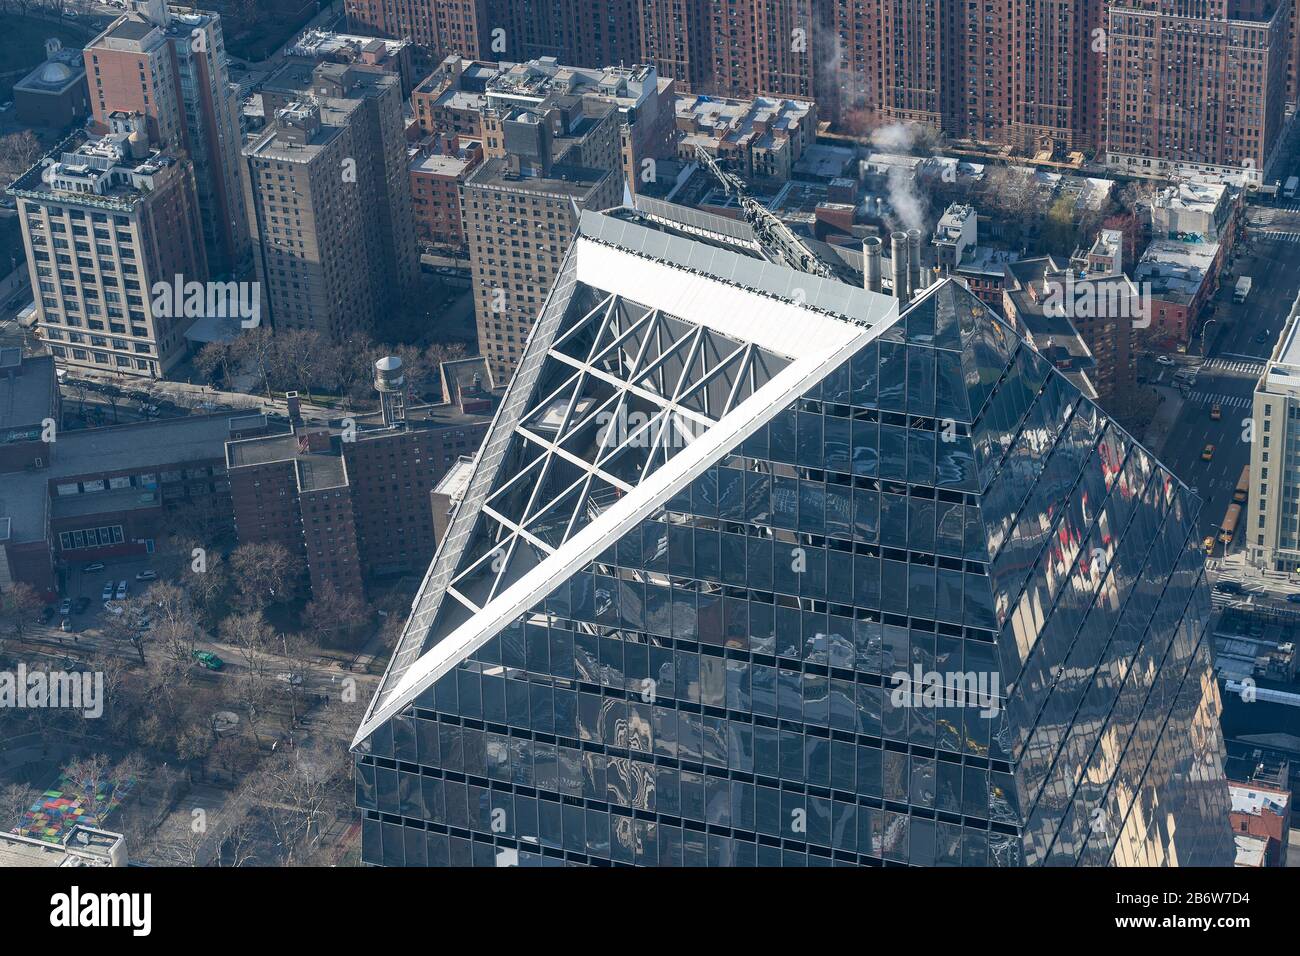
(1236, 357)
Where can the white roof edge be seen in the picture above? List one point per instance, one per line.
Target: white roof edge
(779, 326)
(686, 466)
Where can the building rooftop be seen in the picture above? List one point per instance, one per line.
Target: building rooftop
(456, 481)
(25, 496)
(1255, 798)
(320, 43)
(534, 82)
(761, 123)
(28, 394)
(576, 182)
(61, 70)
(112, 170)
(1175, 270)
(439, 164)
(1201, 197)
(82, 846)
(1251, 850)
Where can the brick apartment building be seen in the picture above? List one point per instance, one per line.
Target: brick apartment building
(438, 173)
(355, 503)
(366, 53)
(593, 33)
(169, 65)
(330, 194)
(521, 207)
(451, 99)
(761, 138)
(1195, 86)
(1124, 78)
(1263, 811)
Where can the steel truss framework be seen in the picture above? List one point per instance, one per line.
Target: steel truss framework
(621, 392)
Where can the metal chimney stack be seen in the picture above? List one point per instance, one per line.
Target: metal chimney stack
(871, 264)
(914, 281)
(898, 264)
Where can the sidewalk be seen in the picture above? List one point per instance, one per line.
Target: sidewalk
(190, 395)
(1162, 423)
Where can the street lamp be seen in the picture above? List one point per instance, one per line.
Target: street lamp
(1204, 329)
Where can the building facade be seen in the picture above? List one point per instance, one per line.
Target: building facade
(521, 208)
(1272, 510)
(715, 545)
(330, 193)
(105, 219)
(169, 64)
(355, 503)
(1195, 87)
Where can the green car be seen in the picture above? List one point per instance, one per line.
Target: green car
(209, 660)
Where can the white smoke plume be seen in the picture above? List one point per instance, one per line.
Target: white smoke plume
(908, 205)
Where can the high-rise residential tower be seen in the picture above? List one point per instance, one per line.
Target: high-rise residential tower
(754, 569)
(521, 207)
(169, 64)
(1195, 87)
(328, 187)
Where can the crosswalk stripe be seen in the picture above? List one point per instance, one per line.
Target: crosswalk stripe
(1226, 401)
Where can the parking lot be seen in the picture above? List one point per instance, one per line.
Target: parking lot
(90, 585)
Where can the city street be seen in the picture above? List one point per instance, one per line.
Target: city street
(1241, 338)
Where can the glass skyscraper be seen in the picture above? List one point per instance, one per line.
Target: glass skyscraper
(755, 570)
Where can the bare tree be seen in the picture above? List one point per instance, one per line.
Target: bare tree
(186, 848)
(19, 604)
(334, 614)
(130, 624)
(15, 800)
(18, 152)
(265, 573)
(89, 780)
(254, 638)
(220, 356)
(175, 624)
(256, 350)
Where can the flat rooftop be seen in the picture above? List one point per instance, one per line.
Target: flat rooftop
(577, 182)
(27, 393)
(25, 496)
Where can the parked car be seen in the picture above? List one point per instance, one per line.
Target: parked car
(81, 605)
(209, 660)
(122, 588)
(1216, 412)
(1207, 453)
(91, 568)
(148, 574)
(65, 625)
(113, 608)
(107, 593)
(65, 607)
(294, 680)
